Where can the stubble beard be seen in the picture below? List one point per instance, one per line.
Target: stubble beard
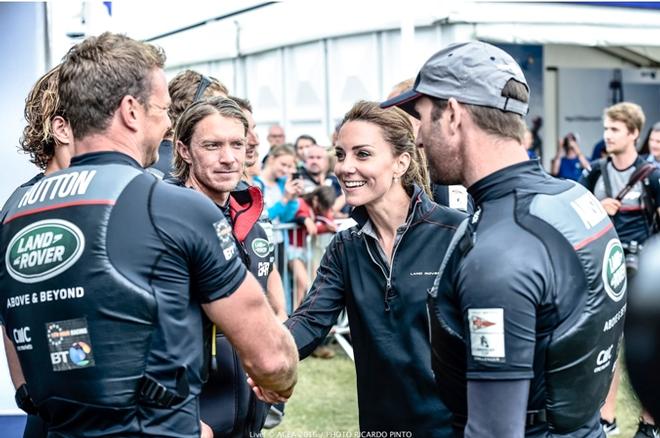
(444, 164)
(445, 171)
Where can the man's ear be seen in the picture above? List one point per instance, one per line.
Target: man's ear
(129, 112)
(455, 114)
(61, 131)
(183, 151)
(635, 133)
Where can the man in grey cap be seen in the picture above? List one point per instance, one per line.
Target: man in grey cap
(528, 302)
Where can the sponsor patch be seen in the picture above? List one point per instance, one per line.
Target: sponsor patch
(613, 321)
(226, 239)
(262, 269)
(43, 250)
(260, 247)
(614, 270)
(458, 197)
(604, 359)
(70, 345)
(476, 216)
(487, 334)
(268, 229)
(22, 338)
(589, 209)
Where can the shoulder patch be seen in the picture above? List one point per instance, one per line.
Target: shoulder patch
(260, 247)
(487, 334)
(226, 239)
(614, 270)
(575, 213)
(589, 209)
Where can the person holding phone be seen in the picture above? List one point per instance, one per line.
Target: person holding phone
(569, 160)
(278, 184)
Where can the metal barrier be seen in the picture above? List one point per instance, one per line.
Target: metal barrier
(312, 249)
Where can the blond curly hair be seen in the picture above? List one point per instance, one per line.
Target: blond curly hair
(41, 105)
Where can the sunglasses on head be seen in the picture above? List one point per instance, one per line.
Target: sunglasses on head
(204, 83)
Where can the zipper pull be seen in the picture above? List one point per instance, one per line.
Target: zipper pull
(388, 289)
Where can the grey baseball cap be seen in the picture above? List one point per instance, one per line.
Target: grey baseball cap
(474, 73)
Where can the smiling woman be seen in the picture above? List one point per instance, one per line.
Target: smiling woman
(380, 271)
(377, 149)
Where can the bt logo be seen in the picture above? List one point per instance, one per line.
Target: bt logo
(59, 357)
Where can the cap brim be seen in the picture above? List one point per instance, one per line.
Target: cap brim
(405, 101)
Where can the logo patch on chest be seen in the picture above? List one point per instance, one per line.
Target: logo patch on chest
(43, 250)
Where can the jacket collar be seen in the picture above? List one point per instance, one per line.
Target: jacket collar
(245, 207)
(104, 157)
(504, 181)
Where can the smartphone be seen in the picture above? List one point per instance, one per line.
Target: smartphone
(296, 175)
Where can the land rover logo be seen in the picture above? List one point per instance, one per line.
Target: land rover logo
(43, 250)
(260, 247)
(614, 270)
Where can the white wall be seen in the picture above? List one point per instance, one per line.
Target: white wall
(22, 51)
(307, 88)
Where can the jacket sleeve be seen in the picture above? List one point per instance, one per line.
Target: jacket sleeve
(312, 321)
(497, 408)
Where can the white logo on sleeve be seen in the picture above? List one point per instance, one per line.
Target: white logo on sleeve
(614, 270)
(589, 209)
(604, 359)
(487, 334)
(458, 197)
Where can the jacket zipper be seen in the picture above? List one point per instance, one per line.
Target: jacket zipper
(388, 278)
